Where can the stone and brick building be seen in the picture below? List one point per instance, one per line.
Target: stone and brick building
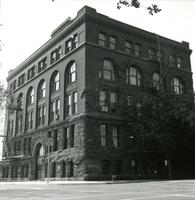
(73, 93)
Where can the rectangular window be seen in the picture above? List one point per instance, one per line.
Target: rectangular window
(102, 98)
(172, 60)
(73, 73)
(115, 136)
(113, 101)
(71, 44)
(21, 80)
(55, 110)
(102, 39)
(137, 50)
(151, 53)
(68, 103)
(52, 111)
(42, 64)
(43, 91)
(29, 120)
(103, 135)
(113, 42)
(68, 46)
(55, 55)
(41, 115)
(31, 73)
(19, 123)
(179, 62)
(56, 85)
(57, 113)
(74, 106)
(75, 41)
(71, 132)
(128, 47)
(133, 80)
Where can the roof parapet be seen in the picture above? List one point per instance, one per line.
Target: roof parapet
(186, 44)
(86, 9)
(61, 27)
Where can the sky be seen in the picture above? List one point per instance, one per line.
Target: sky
(27, 24)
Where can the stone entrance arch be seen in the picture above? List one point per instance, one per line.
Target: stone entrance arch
(38, 160)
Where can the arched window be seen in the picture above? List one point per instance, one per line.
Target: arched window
(41, 90)
(30, 96)
(155, 80)
(108, 70)
(133, 76)
(55, 82)
(71, 73)
(177, 86)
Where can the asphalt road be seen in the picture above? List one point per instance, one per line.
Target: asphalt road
(154, 190)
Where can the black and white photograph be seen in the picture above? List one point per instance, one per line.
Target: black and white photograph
(97, 99)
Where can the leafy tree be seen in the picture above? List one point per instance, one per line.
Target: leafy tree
(166, 119)
(152, 9)
(74, 154)
(3, 96)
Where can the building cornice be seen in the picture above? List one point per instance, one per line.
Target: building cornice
(135, 32)
(47, 46)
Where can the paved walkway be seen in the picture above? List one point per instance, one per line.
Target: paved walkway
(151, 190)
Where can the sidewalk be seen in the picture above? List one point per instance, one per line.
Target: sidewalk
(73, 182)
(62, 182)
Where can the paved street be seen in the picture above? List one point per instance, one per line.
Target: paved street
(154, 190)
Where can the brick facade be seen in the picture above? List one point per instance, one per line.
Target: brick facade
(96, 140)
